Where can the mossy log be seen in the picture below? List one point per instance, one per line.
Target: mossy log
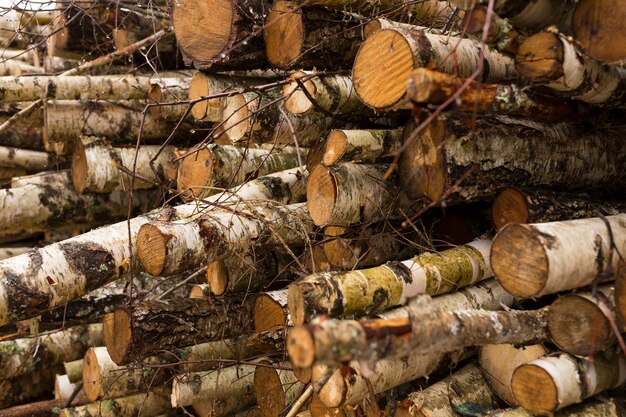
(344, 145)
(374, 290)
(502, 35)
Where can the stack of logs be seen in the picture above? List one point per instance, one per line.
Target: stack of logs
(351, 208)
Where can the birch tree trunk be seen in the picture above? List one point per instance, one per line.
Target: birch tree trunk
(15, 68)
(74, 370)
(31, 161)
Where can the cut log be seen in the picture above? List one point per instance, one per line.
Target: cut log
(550, 383)
(553, 61)
(346, 194)
(74, 370)
(426, 86)
(31, 161)
(376, 289)
(310, 37)
(270, 311)
(101, 168)
(14, 67)
(276, 388)
(463, 167)
(498, 362)
(133, 333)
(502, 35)
(216, 167)
(230, 38)
(533, 205)
(318, 409)
(24, 137)
(387, 58)
(145, 405)
(593, 408)
(361, 145)
(200, 291)
(544, 258)
(580, 324)
(21, 356)
(167, 248)
(64, 390)
(597, 28)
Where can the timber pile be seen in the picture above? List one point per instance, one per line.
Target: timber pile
(351, 208)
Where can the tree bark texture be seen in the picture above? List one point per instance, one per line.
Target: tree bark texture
(14, 68)
(502, 35)
(592, 408)
(27, 388)
(361, 145)
(151, 404)
(30, 161)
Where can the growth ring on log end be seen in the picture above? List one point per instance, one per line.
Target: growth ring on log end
(534, 389)
(92, 379)
(321, 191)
(194, 174)
(79, 167)
(117, 334)
(152, 249)
(284, 34)
(509, 207)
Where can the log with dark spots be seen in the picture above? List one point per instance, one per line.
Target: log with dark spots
(91, 260)
(22, 299)
(277, 187)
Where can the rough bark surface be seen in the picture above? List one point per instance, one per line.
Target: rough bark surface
(146, 405)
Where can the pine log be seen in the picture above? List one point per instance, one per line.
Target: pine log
(544, 258)
(553, 61)
(360, 145)
(310, 37)
(387, 58)
(64, 390)
(14, 67)
(533, 205)
(502, 35)
(101, 168)
(276, 388)
(498, 362)
(597, 28)
(349, 193)
(211, 169)
(11, 251)
(580, 324)
(151, 404)
(593, 408)
(270, 311)
(550, 383)
(465, 386)
(27, 388)
(375, 289)
(74, 370)
(22, 356)
(331, 94)
(230, 38)
(426, 86)
(54, 204)
(167, 248)
(31, 161)
(135, 332)
(446, 161)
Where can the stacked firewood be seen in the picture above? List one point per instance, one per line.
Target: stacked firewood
(349, 209)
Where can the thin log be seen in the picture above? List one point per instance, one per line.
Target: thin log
(101, 168)
(387, 58)
(35, 409)
(31, 161)
(534, 205)
(551, 383)
(216, 167)
(426, 86)
(64, 390)
(375, 289)
(596, 26)
(361, 145)
(544, 258)
(498, 362)
(553, 61)
(74, 370)
(133, 333)
(444, 162)
(276, 388)
(270, 311)
(151, 404)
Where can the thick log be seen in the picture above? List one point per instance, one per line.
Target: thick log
(230, 38)
(553, 61)
(349, 193)
(444, 162)
(544, 258)
(276, 388)
(101, 168)
(580, 324)
(550, 383)
(135, 332)
(533, 205)
(502, 35)
(270, 311)
(151, 404)
(310, 37)
(64, 389)
(74, 370)
(167, 248)
(216, 167)
(597, 28)
(498, 362)
(360, 145)
(426, 86)
(375, 289)
(21, 356)
(387, 58)
(54, 204)
(31, 161)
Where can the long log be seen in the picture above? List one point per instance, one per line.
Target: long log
(387, 58)
(135, 332)
(11, 251)
(426, 86)
(360, 145)
(31, 161)
(596, 26)
(101, 168)
(11, 67)
(444, 162)
(211, 169)
(276, 388)
(375, 289)
(151, 404)
(230, 38)
(550, 383)
(544, 258)
(553, 61)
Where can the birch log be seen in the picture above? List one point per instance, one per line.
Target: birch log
(276, 388)
(7, 252)
(13, 67)
(387, 58)
(144, 405)
(27, 388)
(544, 258)
(597, 28)
(361, 145)
(592, 408)
(509, 153)
(502, 35)
(553, 61)
(167, 248)
(550, 383)
(74, 370)
(101, 168)
(64, 389)
(270, 311)
(209, 170)
(375, 289)
(31, 161)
